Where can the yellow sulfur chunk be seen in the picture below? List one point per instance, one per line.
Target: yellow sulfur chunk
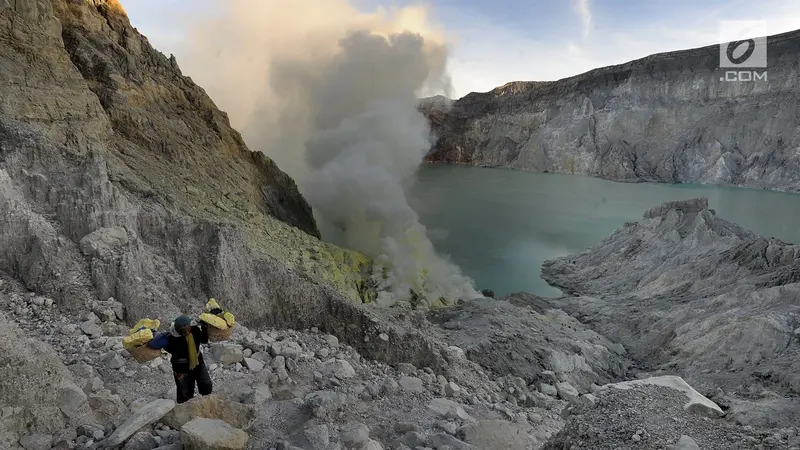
(214, 321)
(137, 339)
(229, 319)
(145, 323)
(212, 304)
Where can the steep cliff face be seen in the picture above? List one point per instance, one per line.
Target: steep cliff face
(119, 177)
(665, 118)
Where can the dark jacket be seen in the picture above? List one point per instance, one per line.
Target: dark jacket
(178, 347)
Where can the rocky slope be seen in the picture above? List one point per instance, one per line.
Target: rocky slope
(690, 293)
(664, 118)
(119, 177)
(305, 389)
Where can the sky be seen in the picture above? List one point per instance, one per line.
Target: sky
(497, 41)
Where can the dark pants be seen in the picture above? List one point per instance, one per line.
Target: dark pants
(185, 383)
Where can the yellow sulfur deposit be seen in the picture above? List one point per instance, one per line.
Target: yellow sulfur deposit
(229, 319)
(137, 338)
(145, 323)
(212, 304)
(214, 321)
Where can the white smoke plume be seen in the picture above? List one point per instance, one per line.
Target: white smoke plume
(330, 93)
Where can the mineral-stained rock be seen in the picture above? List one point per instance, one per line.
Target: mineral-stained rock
(670, 117)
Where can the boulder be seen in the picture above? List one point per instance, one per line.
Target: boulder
(338, 368)
(141, 441)
(567, 392)
(253, 364)
(449, 409)
(548, 389)
(685, 443)
(411, 384)
(440, 440)
(227, 353)
(490, 434)
(696, 401)
(103, 242)
(214, 406)
(287, 349)
(260, 395)
(354, 435)
(318, 436)
(212, 434)
(36, 442)
(71, 399)
(144, 416)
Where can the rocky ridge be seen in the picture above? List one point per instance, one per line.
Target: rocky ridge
(693, 294)
(664, 118)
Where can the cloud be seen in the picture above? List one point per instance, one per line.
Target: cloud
(584, 12)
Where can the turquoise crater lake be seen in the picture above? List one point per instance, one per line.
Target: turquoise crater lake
(501, 225)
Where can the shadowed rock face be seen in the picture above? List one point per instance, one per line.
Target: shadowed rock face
(689, 292)
(664, 118)
(119, 177)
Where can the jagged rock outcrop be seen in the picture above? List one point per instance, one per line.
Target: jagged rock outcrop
(691, 293)
(119, 177)
(664, 118)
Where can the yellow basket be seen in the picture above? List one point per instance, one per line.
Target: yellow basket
(215, 334)
(143, 353)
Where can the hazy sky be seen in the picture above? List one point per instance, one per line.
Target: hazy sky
(496, 41)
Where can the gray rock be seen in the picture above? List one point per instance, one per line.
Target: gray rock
(91, 328)
(440, 440)
(407, 369)
(71, 399)
(411, 384)
(36, 442)
(264, 357)
(414, 439)
(338, 368)
(318, 436)
(253, 365)
(227, 353)
(371, 444)
(331, 340)
(452, 389)
(113, 361)
(548, 389)
(64, 436)
(497, 434)
(449, 409)
(278, 362)
(354, 434)
(260, 395)
(212, 434)
(685, 443)
(287, 349)
(567, 392)
(141, 441)
(146, 415)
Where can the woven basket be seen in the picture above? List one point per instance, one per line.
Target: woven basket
(143, 353)
(215, 334)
